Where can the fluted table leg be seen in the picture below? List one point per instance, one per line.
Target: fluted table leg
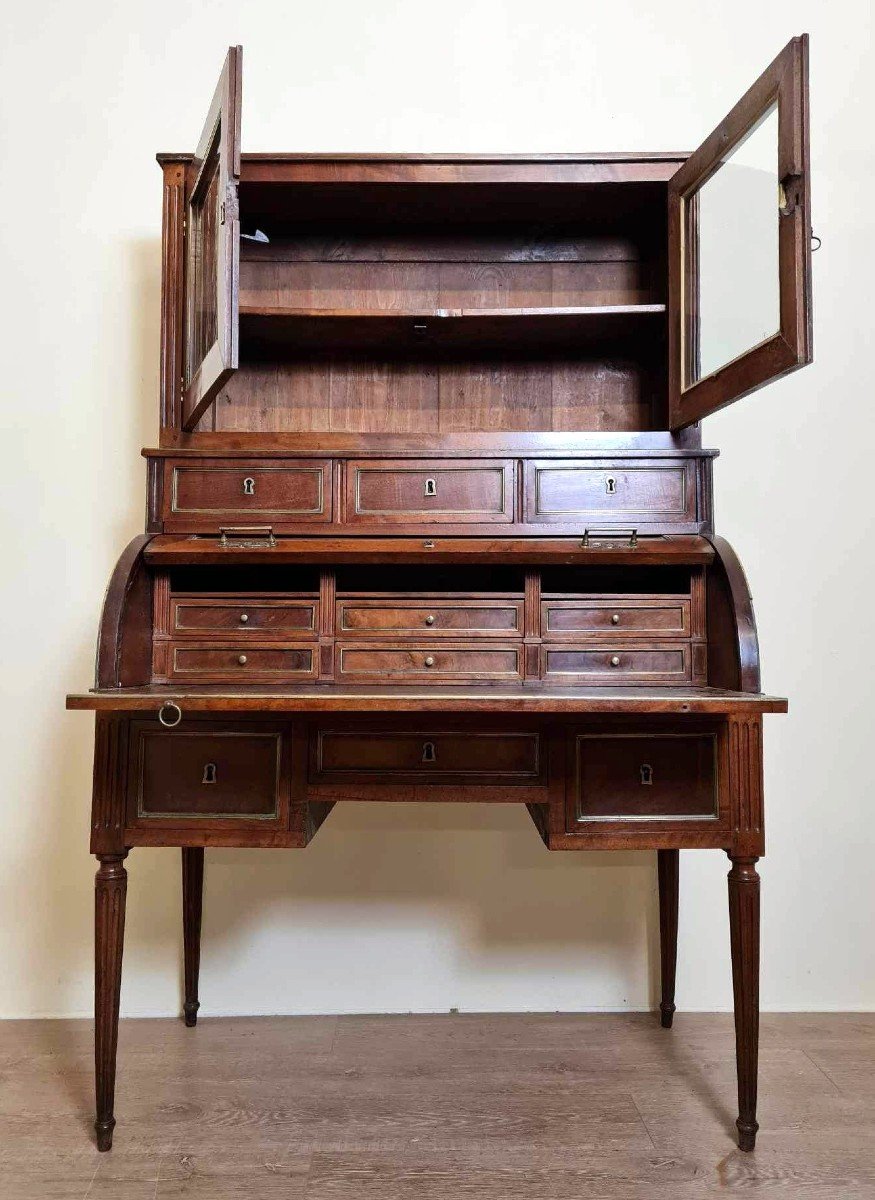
(110, 888)
(744, 929)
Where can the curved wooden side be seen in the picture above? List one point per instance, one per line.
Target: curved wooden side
(733, 646)
(124, 643)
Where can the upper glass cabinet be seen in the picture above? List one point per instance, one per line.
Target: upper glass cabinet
(739, 248)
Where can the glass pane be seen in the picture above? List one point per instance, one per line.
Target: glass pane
(731, 248)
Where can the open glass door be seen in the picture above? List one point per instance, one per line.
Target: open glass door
(739, 237)
(212, 258)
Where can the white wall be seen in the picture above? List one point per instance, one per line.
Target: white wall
(417, 908)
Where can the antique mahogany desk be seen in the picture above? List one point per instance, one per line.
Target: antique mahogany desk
(430, 518)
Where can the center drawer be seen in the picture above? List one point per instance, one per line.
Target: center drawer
(236, 663)
(373, 662)
(425, 755)
(431, 618)
(196, 616)
(421, 491)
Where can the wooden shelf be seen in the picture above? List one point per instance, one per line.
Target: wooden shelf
(298, 332)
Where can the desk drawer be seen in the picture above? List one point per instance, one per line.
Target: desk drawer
(419, 491)
(610, 492)
(238, 663)
(660, 617)
(198, 775)
(196, 616)
(213, 492)
(432, 618)
(424, 756)
(373, 663)
(647, 777)
(619, 665)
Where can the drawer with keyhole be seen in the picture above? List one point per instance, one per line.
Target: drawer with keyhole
(425, 492)
(424, 755)
(206, 494)
(629, 491)
(210, 771)
(641, 777)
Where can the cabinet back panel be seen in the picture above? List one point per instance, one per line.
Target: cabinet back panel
(429, 397)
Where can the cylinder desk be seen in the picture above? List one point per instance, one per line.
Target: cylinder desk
(429, 516)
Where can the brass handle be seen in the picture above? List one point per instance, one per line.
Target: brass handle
(615, 661)
(429, 662)
(244, 617)
(242, 660)
(429, 620)
(165, 714)
(615, 619)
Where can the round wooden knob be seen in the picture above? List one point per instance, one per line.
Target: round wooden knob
(242, 660)
(615, 619)
(429, 620)
(429, 662)
(615, 661)
(244, 617)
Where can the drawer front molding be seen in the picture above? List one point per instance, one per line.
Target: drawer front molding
(588, 618)
(422, 491)
(430, 618)
(201, 617)
(373, 662)
(424, 756)
(618, 665)
(562, 491)
(620, 777)
(215, 490)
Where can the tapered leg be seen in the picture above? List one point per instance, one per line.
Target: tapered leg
(192, 907)
(744, 929)
(667, 869)
(110, 887)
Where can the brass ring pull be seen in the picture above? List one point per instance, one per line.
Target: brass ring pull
(169, 707)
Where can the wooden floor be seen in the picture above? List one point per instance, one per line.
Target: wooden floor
(420, 1108)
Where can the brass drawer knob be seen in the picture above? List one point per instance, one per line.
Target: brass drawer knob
(615, 619)
(429, 662)
(241, 660)
(244, 618)
(429, 620)
(615, 661)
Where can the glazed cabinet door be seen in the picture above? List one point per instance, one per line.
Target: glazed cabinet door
(739, 235)
(212, 250)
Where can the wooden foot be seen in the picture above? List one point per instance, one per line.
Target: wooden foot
(192, 907)
(110, 887)
(744, 929)
(667, 870)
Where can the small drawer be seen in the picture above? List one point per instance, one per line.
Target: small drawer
(638, 777)
(209, 493)
(374, 663)
(239, 663)
(196, 616)
(621, 664)
(660, 617)
(424, 756)
(432, 618)
(607, 492)
(196, 775)
(419, 491)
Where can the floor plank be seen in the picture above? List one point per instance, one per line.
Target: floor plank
(531, 1106)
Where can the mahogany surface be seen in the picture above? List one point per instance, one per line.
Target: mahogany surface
(430, 518)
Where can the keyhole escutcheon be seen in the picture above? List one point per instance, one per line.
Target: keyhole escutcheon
(248, 486)
(646, 774)
(429, 754)
(611, 485)
(430, 487)
(209, 773)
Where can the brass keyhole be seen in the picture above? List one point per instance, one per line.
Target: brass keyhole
(646, 774)
(611, 485)
(209, 773)
(248, 486)
(429, 754)
(430, 487)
